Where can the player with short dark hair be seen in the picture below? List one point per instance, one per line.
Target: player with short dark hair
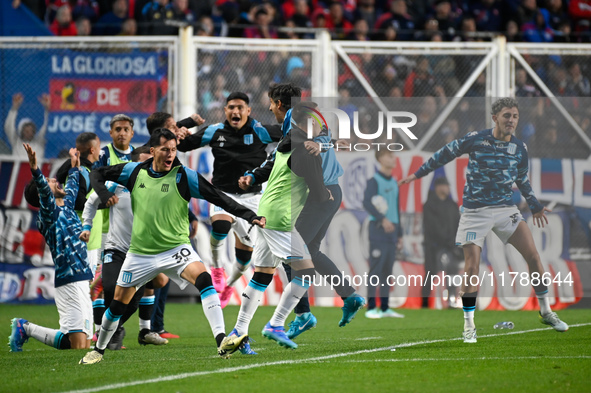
(161, 188)
(238, 144)
(497, 160)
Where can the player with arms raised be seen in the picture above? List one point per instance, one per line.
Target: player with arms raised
(497, 160)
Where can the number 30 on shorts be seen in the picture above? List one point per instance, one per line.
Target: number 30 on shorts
(182, 255)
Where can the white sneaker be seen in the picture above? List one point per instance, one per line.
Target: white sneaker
(553, 320)
(469, 335)
(389, 313)
(374, 313)
(152, 338)
(91, 357)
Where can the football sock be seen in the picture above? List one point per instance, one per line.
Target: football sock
(210, 301)
(239, 267)
(52, 337)
(542, 295)
(110, 323)
(146, 309)
(291, 295)
(251, 297)
(219, 232)
(98, 309)
(469, 305)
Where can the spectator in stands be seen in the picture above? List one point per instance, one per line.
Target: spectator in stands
(85, 8)
(290, 34)
(559, 83)
(512, 31)
(205, 27)
(129, 27)
(180, 13)
(336, 22)
(360, 31)
(301, 15)
(578, 83)
(51, 10)
(365, 10)
(522, 87)
(556, 13)
(580, 13)
(420, 82)
(526, 12)
(430, 28)
(386, 80)
(468, 30)
(112, 22)
(488, 15)
(399, 19)
(151, 20)
(26, 131)
(63, 24)
(83, 26)
(218, 91)
(262, 25)
(539, 29)
(447, 18)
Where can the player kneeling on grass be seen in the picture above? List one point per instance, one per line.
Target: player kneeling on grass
(161, 188)
(60, 226)
(497, 160)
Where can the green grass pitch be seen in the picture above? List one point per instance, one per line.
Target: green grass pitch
(429, 357)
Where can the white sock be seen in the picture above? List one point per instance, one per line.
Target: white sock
(238, 270)
(108, 328)
(544, 303)
(251, 297)
(96, 327)
(213, 311)
(290, 297)
(217, 246)
(469, 320)
(47, 336)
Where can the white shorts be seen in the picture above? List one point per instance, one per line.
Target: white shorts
(139, 269)
(274, 247)
(475, 224)
(74, 308)
(240, 225)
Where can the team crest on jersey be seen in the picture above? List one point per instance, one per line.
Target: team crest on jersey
(511, 148)
(248, 139)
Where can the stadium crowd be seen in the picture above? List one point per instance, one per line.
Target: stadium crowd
(390, 20)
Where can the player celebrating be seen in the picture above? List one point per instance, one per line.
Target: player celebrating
(497, 160)
(60, 226)
(237, 145)
(160, 189)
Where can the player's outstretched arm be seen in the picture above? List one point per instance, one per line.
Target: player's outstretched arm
(408, 179)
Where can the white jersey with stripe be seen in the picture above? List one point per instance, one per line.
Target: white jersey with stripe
(120, 217)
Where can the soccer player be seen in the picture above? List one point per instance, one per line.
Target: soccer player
(497, 160)
(294, 173)
(116, 247)
(315, 218)
(385, 232)
(160, 189)
(60, 226)
(237, 145)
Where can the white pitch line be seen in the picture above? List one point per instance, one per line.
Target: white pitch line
(463, 359)
(367, 338)
(294, 361)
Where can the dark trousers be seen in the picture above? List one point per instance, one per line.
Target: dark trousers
(112, 263)
(312, 225)
(381, 261)
(160, 296)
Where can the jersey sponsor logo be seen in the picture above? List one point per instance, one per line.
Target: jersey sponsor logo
(142, 185)
(126, 277)
(164, 188)
(485, 143)
(511, 148)
(514, 218)
(473, 133)
(221, 139)
(470, 236)
(248, 139)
